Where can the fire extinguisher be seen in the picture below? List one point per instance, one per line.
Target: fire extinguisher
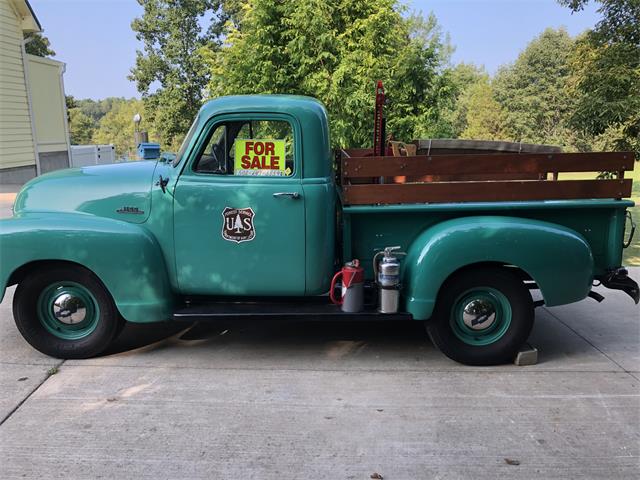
(387, 273)
(352, 298)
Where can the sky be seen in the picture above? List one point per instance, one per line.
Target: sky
(95, 40)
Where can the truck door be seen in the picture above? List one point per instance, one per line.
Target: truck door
(239, 210)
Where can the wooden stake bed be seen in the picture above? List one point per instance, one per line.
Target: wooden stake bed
(368, 180)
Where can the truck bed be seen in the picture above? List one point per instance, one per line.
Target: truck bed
(367, 228)
(390, 200)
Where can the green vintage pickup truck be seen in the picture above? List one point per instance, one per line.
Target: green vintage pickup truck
(256, 214)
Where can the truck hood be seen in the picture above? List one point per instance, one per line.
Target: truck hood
(121, 191)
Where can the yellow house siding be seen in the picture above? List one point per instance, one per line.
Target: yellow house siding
(16, 136)
(47, 103)
(23, 13)
(8, 12)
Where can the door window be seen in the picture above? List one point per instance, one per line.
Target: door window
(248, 148)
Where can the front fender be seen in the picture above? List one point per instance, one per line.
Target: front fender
(125, 256)
(557, 258)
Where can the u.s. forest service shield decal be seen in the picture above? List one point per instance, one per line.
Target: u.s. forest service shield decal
(237, 224)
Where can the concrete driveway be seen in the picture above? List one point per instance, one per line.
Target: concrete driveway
(330, 401)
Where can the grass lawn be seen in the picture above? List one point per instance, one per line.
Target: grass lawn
(631, 254)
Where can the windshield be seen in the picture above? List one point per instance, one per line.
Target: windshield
(185, 142)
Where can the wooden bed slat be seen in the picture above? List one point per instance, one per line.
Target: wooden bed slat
(493, 191)
(473, 164)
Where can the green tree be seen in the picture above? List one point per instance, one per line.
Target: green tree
(485, 119)
(533, 91)
(117, 128)
(38, 45)
(463, 79)
(620, 19)
(96, 109)
(335, 51)
(81, 127)
(605, 75)
(170, 71)
(70, 101)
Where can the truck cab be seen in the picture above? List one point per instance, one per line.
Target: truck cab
(254, 199)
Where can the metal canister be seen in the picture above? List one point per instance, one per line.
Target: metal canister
(388, 279)
(352, 292)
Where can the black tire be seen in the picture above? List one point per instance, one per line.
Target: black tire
(450, 332)
(106, 323)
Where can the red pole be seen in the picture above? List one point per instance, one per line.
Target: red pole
(378, 130)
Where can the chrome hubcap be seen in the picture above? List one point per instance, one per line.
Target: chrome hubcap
(479, 314)
(69, 309)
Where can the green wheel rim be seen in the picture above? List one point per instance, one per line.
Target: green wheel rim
(481, 316)
(68, 310)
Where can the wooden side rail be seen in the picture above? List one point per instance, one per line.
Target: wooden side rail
(354, 167)
(498, 191)
(491, 178)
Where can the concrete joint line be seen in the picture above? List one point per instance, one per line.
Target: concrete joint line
(586, 340)
(35, 389)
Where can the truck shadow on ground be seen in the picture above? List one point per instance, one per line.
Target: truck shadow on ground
(270, 332)
(138, 335)
(313, 340)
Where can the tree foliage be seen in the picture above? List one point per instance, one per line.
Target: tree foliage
(335, 51)
(532, 91)
(96, 109)
(605, 75)
(170, 71)
(38, 45)
(464, 79)
(81, 127)
(117, 127)
(620, 19)
(582, 93)
(485, 117)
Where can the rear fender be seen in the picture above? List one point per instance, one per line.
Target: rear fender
(557, 258)
(125, 256)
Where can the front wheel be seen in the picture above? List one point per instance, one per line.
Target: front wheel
(482, 317)
(66, 312)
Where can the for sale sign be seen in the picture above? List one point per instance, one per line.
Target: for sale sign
(260, 157)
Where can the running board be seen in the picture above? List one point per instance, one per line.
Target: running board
(297, 311)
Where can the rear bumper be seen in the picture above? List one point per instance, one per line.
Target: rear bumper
(618, 279)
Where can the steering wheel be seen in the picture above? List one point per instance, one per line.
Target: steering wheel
(218, 165)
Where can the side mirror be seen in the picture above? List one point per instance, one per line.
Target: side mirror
(167, 157)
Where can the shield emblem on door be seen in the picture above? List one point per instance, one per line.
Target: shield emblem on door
(237, 224)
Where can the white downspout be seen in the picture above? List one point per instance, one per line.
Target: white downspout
(27, 85)
(65, 114)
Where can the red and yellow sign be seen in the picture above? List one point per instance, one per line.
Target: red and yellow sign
(260, 157)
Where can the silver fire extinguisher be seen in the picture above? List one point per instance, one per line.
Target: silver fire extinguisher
(387, 272)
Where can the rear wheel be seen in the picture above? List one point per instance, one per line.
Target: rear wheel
(482, 317)
(66, 312)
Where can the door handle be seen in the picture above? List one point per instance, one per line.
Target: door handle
(294, 195)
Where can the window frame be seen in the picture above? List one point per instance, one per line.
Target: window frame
(214, 122)
(185, 146)
(206, 145)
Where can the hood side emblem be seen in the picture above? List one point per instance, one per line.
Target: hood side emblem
(130, 210)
